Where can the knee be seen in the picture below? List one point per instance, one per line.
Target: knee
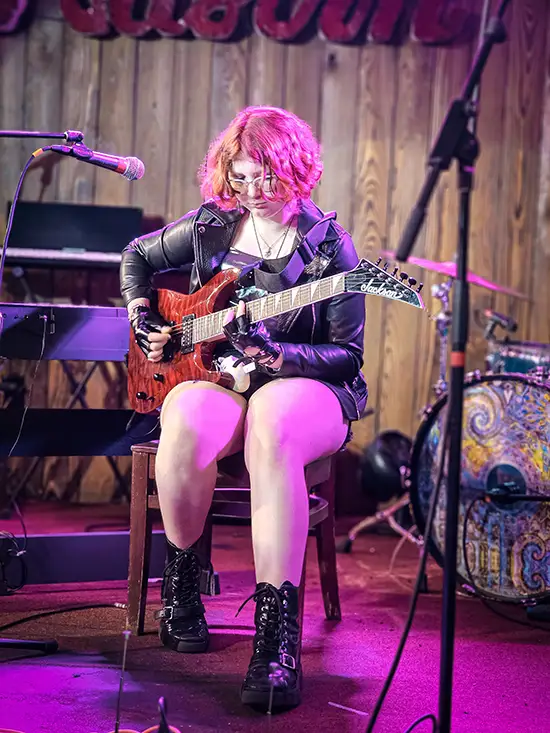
(269, 432)
(182, 431)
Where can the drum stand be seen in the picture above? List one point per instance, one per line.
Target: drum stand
(442, 321)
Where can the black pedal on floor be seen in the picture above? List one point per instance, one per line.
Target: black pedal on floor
(540, 612)
(210, 583)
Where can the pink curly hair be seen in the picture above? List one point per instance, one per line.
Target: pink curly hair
(280, 141)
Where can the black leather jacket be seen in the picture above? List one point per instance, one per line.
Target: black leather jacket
(322, 341)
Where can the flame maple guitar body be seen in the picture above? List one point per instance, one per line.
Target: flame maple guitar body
(149, 382)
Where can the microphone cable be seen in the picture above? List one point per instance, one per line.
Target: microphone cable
(9, 225)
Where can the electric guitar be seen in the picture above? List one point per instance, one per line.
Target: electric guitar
(197, 324)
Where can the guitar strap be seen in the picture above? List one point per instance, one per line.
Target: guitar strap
(302, 256)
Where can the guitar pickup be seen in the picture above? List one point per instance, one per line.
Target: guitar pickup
(186, 344)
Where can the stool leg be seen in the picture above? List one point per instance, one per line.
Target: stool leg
(210, 581)
(326, 552)
(301, 599)
(140, 544)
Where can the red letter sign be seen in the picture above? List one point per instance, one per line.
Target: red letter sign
(199, 17)
(92, 22)
(267, 23)
(10, 13)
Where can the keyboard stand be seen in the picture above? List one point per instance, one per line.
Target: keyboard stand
(77, 395)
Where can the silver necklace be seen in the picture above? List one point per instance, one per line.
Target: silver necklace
(269, 247)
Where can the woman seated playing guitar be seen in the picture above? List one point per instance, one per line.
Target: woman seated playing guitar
(296, 404)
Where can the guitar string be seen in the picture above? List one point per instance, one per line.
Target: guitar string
(179, 327)
(350, 277)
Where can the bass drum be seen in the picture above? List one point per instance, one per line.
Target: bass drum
(505, 442)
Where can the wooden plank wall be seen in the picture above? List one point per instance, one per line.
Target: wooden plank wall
(376, 110)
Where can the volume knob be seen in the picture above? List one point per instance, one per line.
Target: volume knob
(158, 377)
(141, 395)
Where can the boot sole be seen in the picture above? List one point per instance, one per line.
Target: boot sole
(184, 647)
(280, 701)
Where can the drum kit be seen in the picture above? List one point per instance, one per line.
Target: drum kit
(504, 543)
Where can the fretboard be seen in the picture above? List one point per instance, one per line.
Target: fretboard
(275, 304)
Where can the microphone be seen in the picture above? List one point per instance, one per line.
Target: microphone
(500, 320)
(131, 168)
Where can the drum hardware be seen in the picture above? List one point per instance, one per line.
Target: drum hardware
(518, 357)
(383, 515)
(442, 322)
(379, 474)
(489, 319)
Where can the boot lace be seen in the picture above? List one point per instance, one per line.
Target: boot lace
(274, 631)
(181, 577)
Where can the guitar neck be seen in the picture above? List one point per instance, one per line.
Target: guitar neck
(211, 326)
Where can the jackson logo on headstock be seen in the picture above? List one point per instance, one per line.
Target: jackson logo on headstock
(375, 287)
(435, 22)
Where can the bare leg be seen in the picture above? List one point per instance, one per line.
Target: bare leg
(201, 423)
(290, 423)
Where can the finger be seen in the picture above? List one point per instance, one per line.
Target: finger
(229, 317)
(241, 308)
(243, 324)
(251, 350)
(155, 353)
(158, 338)
(166, 329)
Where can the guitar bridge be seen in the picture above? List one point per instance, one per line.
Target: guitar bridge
(186, 343)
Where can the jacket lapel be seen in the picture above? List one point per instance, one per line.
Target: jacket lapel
(214, 232)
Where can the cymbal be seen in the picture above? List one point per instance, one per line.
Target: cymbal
(449, 270)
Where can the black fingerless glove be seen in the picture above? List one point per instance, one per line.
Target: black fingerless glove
(243, 334)
(145, 321)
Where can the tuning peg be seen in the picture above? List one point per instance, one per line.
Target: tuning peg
(386, 265)
(412, 282)
(378, 261)
(419, 288)
(403, 276)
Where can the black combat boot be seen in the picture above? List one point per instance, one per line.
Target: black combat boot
(274, 676)
(182, 623)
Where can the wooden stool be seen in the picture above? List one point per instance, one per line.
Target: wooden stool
(231, 501)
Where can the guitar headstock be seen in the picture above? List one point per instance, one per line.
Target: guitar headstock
(387, 282)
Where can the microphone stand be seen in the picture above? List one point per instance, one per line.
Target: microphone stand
(71, 136)
(457, 141)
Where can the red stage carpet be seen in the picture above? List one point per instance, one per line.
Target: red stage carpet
(501, 670)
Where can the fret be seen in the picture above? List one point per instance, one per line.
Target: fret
(254, 310)
(339, 283)
(217, 323)
(286, 301)
(269, 309)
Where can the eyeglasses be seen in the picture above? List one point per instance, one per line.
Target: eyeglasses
(240, 185)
